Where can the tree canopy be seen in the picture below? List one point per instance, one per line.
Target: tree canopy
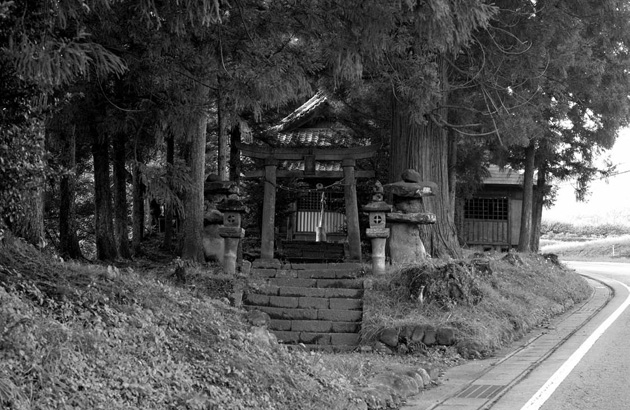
(156, 85)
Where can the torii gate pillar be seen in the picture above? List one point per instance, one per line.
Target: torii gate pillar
(267, 235)
(352, 209)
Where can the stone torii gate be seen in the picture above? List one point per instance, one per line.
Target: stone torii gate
(271, 156)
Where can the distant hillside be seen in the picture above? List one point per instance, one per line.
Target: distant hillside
(611, 248)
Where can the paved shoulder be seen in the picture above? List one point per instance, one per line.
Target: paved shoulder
(479, 384)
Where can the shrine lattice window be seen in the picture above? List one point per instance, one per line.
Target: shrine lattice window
(486, 208)
(311, 201)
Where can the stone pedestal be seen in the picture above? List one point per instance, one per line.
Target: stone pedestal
(231, 232)
(232, 237)
(405, 245)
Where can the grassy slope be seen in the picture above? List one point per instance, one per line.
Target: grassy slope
(506, 303)
(86, 337)
(80, 336)
(600, 249)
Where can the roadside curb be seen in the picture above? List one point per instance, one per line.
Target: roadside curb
(477, 385)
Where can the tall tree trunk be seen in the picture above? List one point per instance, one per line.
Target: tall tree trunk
(192, 248)
(524, 240)
(452, 173)
(235, 155)
(139, 190)
(105, 244)
(539, 200)
(425, 149)
(121, 208)
(168, 209)
(29, 225)
(68, 241)
(223, 156)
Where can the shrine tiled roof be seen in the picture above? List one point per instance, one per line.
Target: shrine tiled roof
(301, 114)
(317, 137)
(319, 166)
(503, 176)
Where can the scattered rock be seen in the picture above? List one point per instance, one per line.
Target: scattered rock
(258, 318)
(470, 350)
(381, 348)
(551, 257)
(389, 337)
(482, 265)
(262, 337)
(445, 336)
(418, 334)
(424, 375)
(513, 259)
(430, 336)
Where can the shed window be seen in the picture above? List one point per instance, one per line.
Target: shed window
(486, 208)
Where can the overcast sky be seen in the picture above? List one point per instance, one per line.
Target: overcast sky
(608, 202)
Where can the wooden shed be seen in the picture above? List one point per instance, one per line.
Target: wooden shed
(491, 219)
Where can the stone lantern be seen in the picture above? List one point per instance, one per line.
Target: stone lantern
(231, 231)
(378, 233)
(405, 244)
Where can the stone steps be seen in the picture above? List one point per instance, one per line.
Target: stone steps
(318, 305)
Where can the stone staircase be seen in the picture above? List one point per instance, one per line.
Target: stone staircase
(318, 305)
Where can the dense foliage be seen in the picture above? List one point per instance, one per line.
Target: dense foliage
(159, 92)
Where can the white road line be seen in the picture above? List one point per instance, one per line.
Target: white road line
(558, 377)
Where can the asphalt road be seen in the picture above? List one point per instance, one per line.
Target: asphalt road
(591, 371)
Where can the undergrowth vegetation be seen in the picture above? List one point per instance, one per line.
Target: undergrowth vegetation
(490, 302)
(89, 337)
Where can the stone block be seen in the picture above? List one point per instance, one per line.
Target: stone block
(346, 327)
(346, 304)
(340, 315)
(265, 289)
(288, 314)
(351, 339)
(445, 336)
(292, 282)
(418, 334)
(313, 303)
(343, 293)
(312, 326)
(302, 292)
(430, 336)
(326, 274)
(280, 324)
(256, 299)
(287, 337)
(340, 283)
(283, 301)
(389, 336)
(315, 338)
